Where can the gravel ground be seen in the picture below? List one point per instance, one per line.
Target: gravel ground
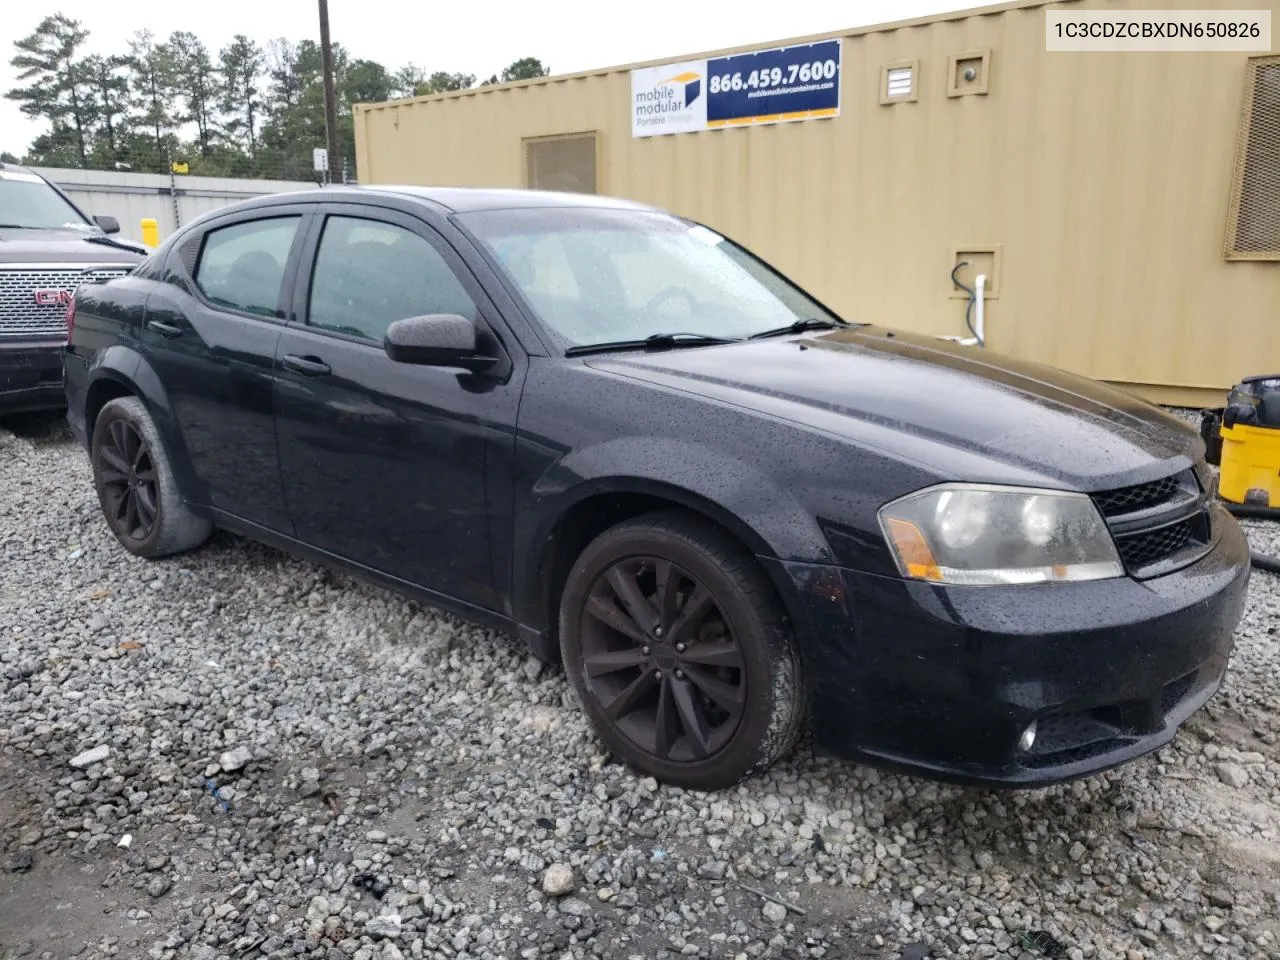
(237, 754)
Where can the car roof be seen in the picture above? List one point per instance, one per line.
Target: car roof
(459, 199)
(468, 199)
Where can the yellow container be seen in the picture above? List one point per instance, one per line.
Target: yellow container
(150, 232)
(1250, 465)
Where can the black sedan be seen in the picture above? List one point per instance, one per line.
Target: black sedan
(725, 510)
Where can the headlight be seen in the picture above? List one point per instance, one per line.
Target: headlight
(979, 534)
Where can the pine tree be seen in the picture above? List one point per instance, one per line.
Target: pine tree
(58, 88)
(198, 87)
(241, 95)
(108, 84)
(154, 101)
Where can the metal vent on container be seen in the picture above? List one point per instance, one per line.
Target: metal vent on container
(899, 81)
(1254, 223)
(561, 163)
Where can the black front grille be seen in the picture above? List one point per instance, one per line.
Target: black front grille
(1113, 503)
(1157, 525)
(1151, 546)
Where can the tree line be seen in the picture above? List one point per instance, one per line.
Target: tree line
(246, 110)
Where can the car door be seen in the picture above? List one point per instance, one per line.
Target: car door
(387, 464)
(210, 336)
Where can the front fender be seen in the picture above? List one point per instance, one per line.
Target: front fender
(739, 496)
(776, 523)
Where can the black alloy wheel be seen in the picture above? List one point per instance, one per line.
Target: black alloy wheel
(136, 486)
(661, 660)
(129, 481)
(679, 652)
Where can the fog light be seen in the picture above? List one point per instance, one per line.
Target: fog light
(1028, 738)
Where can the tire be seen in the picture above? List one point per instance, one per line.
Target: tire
(664, 698)
(127, 454)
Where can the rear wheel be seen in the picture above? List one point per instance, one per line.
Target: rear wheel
(678, 651)
(135, 484)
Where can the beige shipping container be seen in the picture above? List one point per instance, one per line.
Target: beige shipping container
(1125, 206)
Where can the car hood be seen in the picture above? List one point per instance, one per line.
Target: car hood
(59, 246)
(926, 400)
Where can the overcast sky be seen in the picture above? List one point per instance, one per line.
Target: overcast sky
(466, 37)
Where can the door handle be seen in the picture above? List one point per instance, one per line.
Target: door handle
(164, 329)
(307, 366)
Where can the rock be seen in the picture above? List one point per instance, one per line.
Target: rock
(385, 927)
(390, 952)
(235, 760)
(21, 863)
(1173, 928)
(376, 836)
(559, 881)
(774, 912)
(1232, 774)
(914, 951)
(87, 759)
(713, 870)
(158, 887)
(175, 697)
(1222, 897)
(1213, 923)
(30, 836)
(574, 907)
(318, 909)
(1077, 851)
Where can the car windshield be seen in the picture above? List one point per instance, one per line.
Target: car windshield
(27, 201)
(603, 275)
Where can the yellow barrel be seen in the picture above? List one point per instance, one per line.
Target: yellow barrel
(150, 232)
(1250, 462)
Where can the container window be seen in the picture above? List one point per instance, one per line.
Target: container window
(562, 163)
(1253, 227)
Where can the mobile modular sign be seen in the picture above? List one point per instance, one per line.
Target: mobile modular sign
(777, 85)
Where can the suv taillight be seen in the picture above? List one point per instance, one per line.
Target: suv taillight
(71, 316)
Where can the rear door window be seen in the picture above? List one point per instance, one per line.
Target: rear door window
(242, 265)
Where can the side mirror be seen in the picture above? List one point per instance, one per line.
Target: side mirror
(435, 340)
(107, 224)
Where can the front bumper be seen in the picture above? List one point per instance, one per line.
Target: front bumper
(944, 680)
(30, 375)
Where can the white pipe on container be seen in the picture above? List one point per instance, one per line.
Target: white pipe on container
(979, 317)
(979, 311)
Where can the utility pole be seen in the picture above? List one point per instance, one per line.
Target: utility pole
(330, 97)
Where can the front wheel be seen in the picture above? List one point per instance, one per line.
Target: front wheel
(135, 484)
(677, 649)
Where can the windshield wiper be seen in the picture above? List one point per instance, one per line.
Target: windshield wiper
(658, 341)
(108, 242)
(18, 226)
(804, 323)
